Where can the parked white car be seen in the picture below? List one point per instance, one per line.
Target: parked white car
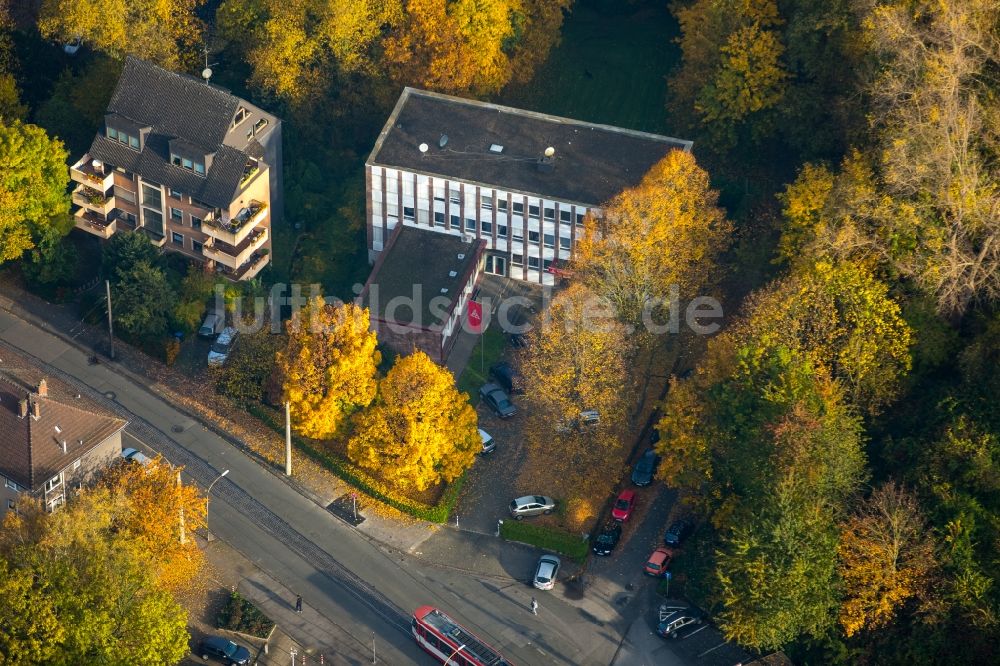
(488, 444)
(222, 346)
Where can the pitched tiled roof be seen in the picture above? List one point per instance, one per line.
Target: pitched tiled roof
(175, 106)
(592, 163)
(31, 449)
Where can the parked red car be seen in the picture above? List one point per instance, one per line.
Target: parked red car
(659, 562)
(624, 505)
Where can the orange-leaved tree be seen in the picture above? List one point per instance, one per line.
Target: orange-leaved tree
(159, 510)
(420, 431)
(886, 558)
(329, 366)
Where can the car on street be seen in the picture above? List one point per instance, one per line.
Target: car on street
(531, 505)
(497, 400)
(489, 446)
(645, 469)
(609, 537)
(219, 352)
(545, 572)
(224, 650)
(679, 530)
(623, 505)
(658, 562)
(674, 622)
(135, 455)
(504, 374)
(212, 325)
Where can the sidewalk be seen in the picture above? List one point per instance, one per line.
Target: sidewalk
(311, 635)
(400, 533)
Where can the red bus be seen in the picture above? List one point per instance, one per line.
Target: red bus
(448, 642)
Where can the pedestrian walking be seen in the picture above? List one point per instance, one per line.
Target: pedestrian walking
(298, 603)
(534, 606)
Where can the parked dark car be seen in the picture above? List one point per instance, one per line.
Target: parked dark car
(678, 531)
(606, 541)
(503, 373)
(645, 469)
(223, 650)
(497, 400)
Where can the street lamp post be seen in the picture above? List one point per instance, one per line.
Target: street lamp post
(208, 498)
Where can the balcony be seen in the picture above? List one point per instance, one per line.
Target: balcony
(234, 230)
(99, 178)
(94, 223)
(249, 269)
(93, 200)
(156, 238)
(235, 256)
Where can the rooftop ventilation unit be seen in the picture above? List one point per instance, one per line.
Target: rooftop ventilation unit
(443, 141)
(452, 274)
(461, 255)
(444, 290)
(496, 148)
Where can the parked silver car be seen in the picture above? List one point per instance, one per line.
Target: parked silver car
(219, 351)
(546, 572)
(532, 505)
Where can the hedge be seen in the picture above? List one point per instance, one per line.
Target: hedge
(546, 538)
(361, 480)
(239, 614)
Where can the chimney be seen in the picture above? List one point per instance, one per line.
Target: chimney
(22, 408)
(36, 410)
(64, 446)
(43, 389)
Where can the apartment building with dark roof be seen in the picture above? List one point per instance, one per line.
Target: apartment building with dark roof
(193, 167)
(52, 439)
(520, 180)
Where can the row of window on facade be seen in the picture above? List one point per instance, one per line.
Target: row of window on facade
(534, 212)
(504, 231)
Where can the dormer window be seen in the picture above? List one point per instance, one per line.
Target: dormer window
(241, 114)
(123, 138)
(187, 164)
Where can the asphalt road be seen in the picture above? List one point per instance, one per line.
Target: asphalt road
(358, 585)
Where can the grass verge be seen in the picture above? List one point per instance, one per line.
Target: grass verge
(546, 538)
(487, 351)
(358, 478)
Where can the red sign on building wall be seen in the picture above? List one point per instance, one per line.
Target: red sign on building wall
(475, 316)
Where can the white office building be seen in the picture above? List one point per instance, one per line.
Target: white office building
(522, 181)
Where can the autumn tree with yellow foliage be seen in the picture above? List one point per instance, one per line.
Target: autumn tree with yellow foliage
(666, 233)
(167, 32)
(295, 47)
(158, 510)
(886, 558)
(328, 369)
(731, 69)
(87, 585)
(420, 431)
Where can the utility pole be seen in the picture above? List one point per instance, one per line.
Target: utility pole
(111, 330)
(288, 439)
(179, 495)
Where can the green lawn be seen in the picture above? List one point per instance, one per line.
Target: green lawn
(610, 67)
(488, 351)
(546, 538)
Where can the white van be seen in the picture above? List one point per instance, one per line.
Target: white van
(488, 444)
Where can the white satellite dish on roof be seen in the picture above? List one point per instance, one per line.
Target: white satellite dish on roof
(423, 147)
(206, 74)
(550, 151)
